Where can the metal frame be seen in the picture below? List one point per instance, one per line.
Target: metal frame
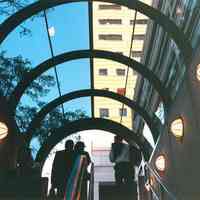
(150, 120)
(168, 25)
(88, 124)
(41, 68)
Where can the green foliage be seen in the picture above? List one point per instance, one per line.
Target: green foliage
(8, 7)
(55, 119)
(12, 70)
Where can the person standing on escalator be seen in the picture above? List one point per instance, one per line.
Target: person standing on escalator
(120, 155)
(62, 168)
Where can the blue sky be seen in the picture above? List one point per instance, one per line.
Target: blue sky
(71, 33)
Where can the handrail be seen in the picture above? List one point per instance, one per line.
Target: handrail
(74, 184)
(158, 178)
(154, 193)
(91, 184)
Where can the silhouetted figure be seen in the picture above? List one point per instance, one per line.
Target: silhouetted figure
(79, 151)
(62, 168)
(120, 155)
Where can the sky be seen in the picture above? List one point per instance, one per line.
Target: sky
(70, 24)
(71, 32)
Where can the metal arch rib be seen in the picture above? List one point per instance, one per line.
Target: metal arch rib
(41, 68)
(89, 124)
(168, 25)
(151, 122)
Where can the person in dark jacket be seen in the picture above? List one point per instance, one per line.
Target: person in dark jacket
(62, 168)
(120, 155)
(79, 150)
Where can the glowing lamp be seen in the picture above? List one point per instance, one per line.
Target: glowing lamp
(160, 163)
(198, 72)
(3, 130)
(177, 128)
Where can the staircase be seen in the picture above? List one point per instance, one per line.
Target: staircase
(111, 191)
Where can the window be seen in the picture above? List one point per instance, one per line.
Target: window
(110, 37)
(103, 72)
(109, 7)
(139, 37)
(107, 89)
(121, 91)
(122, 112)
(110, 21)
(103, 112)
(136, 53)
(139, 21)
(120, 72)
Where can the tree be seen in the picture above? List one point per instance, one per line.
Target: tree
(8, 7)
(55, 119)
(12, 70)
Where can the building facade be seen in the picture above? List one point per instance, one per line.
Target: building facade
(113, 27)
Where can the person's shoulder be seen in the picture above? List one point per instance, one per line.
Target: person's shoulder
(126, 145)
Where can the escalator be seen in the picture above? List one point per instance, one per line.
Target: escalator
(111, 191)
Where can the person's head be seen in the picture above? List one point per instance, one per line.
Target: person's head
(79, 146)
(118, 139)
(69, 145)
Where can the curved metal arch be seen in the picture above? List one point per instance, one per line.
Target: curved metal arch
(168, 25)
(41, 68)
(151, 122)
(89, 124)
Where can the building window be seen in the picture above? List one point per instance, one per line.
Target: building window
(120, 72)
(122, 112)
(110, 37)
(110, 21)
(136, 53)
(103, 112)
(103, 72)
(121, 91)
(107, 89)
(109, 7)
(139, 37)
(139, 21)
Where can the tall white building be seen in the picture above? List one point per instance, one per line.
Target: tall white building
(112, 31)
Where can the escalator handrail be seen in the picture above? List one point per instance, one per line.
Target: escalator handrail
(73, 187)
(158, 178)
(91, 184)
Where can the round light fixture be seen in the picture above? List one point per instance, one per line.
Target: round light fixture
(3, 130)
(198, 72)
(160, 163)
(177, 128)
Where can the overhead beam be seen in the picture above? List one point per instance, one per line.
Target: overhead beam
(168, 25)
(89, 124)
(152, 121)
(30, 76)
